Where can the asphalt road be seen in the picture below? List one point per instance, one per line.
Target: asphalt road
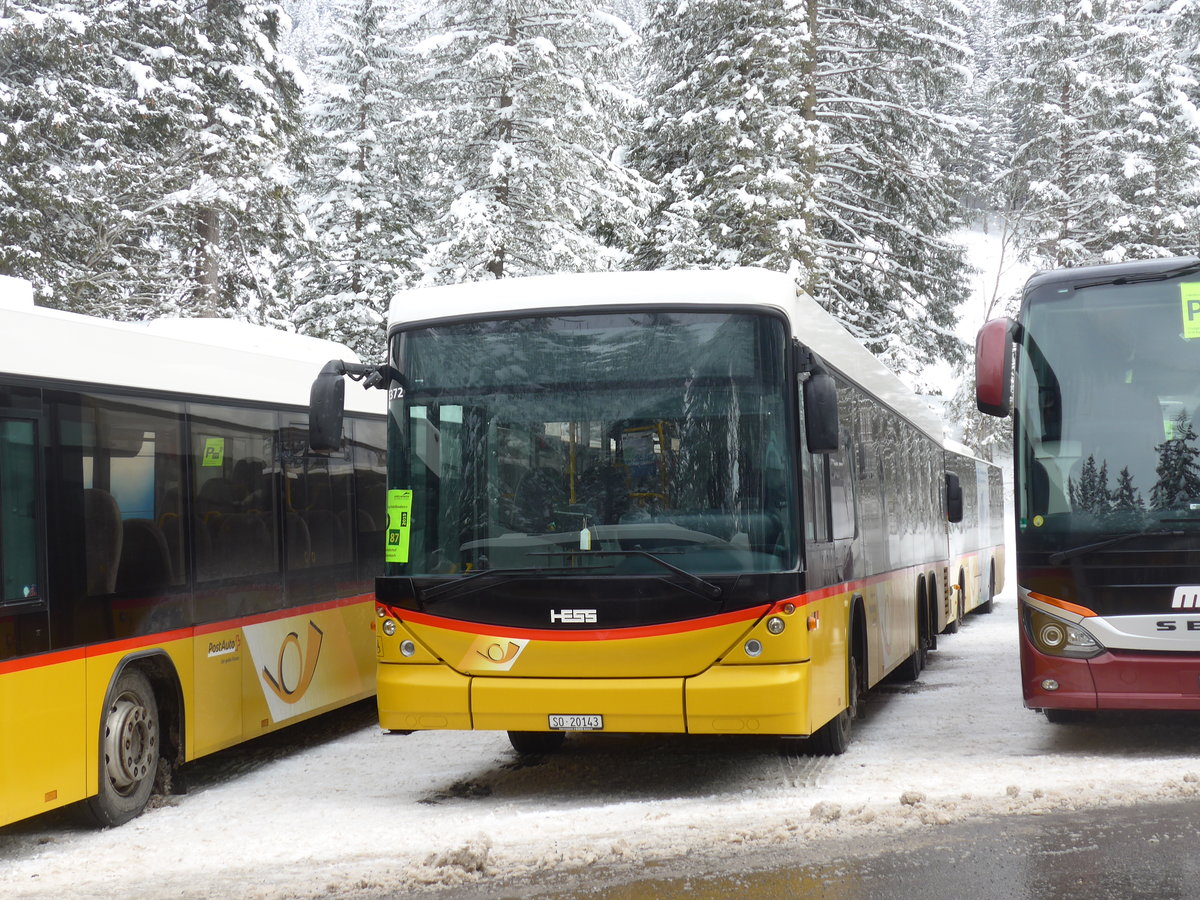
(1149, 851)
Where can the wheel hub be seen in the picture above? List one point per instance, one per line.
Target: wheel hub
(130, 744)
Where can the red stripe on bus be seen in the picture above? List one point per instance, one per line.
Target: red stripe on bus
(639, 631)
(57, 657)
(591, 634)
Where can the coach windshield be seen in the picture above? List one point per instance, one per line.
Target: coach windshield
(1107, 399)
(616, 440)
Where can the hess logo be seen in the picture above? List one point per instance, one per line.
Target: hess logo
(573, 616)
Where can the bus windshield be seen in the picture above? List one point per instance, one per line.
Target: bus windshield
(612, 442)
(1108, 390)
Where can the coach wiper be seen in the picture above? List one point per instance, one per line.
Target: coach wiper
(1063, 555)
(327, 399)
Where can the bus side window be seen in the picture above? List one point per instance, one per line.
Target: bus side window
(234, 485)
(841, 470)
(18, 513)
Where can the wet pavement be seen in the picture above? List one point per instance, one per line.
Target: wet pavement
(1149, 851)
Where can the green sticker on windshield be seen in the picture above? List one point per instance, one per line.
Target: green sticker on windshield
(1190, 298)
(399, 516)
(214, 452)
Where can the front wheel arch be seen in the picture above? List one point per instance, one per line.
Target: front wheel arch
(141, 725)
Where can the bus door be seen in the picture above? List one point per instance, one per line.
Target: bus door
(41, 699)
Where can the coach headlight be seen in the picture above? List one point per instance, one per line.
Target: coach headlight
(1057, 637)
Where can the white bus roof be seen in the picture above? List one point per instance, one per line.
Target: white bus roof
(963, 450)
(811, 324)
(209, 358)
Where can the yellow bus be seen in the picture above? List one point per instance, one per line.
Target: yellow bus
(977, 540)
(180, 573)
(675, 502)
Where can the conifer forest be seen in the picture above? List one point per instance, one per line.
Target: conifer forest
(299, 163)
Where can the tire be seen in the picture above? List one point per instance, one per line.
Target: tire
(832, 738)
(911, 668)
(538, 742)
(988, 605)
(129, 751)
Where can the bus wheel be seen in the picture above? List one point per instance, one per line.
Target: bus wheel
(536, 741)
(128, 751)
(987, 605)
(832, 738)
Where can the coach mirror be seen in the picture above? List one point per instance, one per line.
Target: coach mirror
(993, 367)
(326, 403)
(820, 412)
(954, 498)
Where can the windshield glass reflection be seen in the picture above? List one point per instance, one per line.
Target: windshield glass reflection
(1109, 385)
(597, 441)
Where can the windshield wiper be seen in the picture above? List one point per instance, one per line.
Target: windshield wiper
(1185, 269)
(694, 582)
(1063, 555)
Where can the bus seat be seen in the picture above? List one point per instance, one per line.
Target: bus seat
(244, 546)
(603, 487)
(145, 557)
(538, 495)
(330, 543)
(102, 521)
(217, 496)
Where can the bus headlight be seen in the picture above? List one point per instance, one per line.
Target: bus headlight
(389, 627)
(1056, 637)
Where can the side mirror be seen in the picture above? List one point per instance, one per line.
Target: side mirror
(821, 413)
(954, 498)
(326, 404)
(993, 368)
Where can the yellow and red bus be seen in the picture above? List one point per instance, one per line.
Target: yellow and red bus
(675, 502)
(977, 541)
(180, 573)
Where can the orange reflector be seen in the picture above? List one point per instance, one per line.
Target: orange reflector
(814, 621)
(1062, 604)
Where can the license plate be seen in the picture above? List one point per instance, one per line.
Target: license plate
(576, 723)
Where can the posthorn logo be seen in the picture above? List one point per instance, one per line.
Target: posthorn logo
(1186, 597)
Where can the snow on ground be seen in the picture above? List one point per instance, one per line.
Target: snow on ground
(361, 813)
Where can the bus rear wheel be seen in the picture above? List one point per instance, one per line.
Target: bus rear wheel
(989, 604)
(536, 741)
(129, 751)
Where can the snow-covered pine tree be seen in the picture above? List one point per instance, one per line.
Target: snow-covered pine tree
(888, 97)
(1178, 470)
(358, 189)
(1158, 136)
(147, 147)
(524, 114)
(89, 140)
(242, 154)
(989, 137)
(729, 137)
(1105, 163)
